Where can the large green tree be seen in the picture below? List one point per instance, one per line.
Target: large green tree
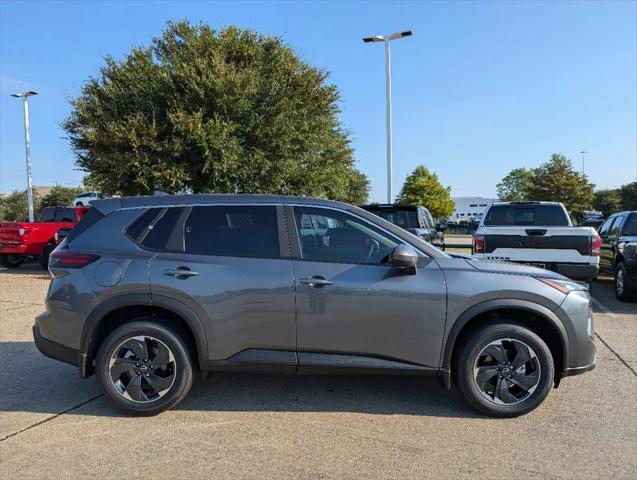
(607, 201)
(15, 206)
(206, 110)
(516, 185)
(554, 181)
(628, 194)
(422, 187)
(557, 181)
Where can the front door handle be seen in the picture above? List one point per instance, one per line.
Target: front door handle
(315, 281)
(181, 272)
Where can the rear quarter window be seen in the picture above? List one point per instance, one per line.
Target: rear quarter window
(89, 219)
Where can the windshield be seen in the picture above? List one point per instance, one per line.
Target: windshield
(400, 218)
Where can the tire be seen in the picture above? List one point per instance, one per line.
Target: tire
(625, 291)
(46, 253)
(79, 204)
(510, 400)
(131, 391)
(11, 260)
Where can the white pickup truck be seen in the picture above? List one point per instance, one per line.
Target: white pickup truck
(540, 234)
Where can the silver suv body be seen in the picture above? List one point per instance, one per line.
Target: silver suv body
(147, 290)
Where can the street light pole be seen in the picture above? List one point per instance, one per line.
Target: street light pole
(386, 39)
(583, 152)
(27, 147)
(388, 121)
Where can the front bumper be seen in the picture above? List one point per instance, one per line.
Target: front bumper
(569, 372)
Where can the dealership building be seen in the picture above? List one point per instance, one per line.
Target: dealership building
(469, 207)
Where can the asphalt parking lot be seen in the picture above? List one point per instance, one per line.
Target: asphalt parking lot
(55, 425)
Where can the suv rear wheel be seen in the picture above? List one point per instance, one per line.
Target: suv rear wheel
(144, 367)
(504, 370)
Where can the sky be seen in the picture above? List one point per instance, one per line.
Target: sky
(479, 89)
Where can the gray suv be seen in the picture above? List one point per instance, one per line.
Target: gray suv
(148, 290)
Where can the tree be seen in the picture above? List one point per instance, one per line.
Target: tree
(358, 188)
(60, 196)
(556, 181)
(628, 194)
(207, 110)
(607, 201)
(422, 187)
(15, 206)
(516, 185)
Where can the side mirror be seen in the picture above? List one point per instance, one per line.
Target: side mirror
(406, 258)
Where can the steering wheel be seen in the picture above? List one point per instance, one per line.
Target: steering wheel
(374, 247)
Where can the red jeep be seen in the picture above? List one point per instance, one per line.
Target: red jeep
(19, 240)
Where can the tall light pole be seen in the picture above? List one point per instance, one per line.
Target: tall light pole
(388, 38)
(27, 146)
(583, 152)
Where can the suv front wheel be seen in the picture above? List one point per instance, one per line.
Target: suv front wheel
(504, 370)
(144, 367)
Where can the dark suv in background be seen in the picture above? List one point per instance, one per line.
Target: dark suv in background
(618, 253)
(147, 290)
(415, 219)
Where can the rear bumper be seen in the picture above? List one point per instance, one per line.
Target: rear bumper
(576, 271)
(15, 249)
(54, 350)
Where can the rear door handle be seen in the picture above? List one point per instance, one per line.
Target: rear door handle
(315, 281)
(183, 272)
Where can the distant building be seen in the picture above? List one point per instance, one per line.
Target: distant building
(469, 207)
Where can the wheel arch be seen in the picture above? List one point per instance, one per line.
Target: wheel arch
(536, 317)
(121, 309)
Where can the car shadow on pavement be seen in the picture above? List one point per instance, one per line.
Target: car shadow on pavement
(603, 291)
(54, 387)
(31, 268)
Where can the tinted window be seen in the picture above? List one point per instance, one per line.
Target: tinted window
(232, 231)
(159, 233)
(543, 215)
(630, 227)
(139, 225)
(331, 236)
(89, 219)
(400, 217)
(614, 229)
(65, 215)
(47, 215)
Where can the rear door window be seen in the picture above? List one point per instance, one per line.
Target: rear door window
(541, 215)
(233, 231)
(65, 215)
(630, 227)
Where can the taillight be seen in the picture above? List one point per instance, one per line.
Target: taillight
(23, 231)
(66, 259)
(596, 245)
(478, 244)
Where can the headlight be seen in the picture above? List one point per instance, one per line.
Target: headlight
(564, 286)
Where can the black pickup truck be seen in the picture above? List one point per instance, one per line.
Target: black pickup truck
(618, 255)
